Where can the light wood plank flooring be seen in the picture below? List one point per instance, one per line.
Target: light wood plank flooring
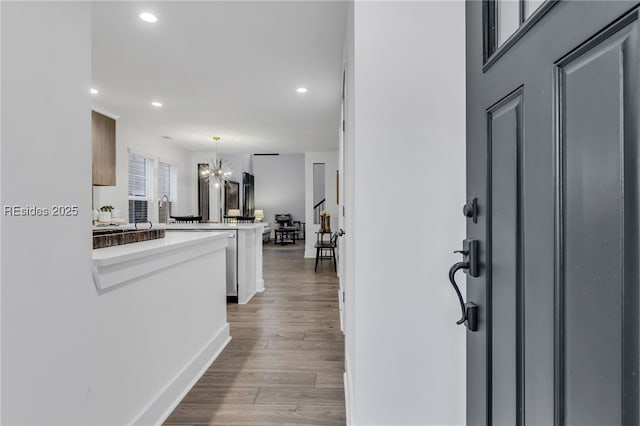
(285, 362)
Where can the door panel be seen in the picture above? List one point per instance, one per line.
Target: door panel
(594, 185)
(554, 169)
(505, 284)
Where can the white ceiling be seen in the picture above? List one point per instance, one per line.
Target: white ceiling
(228, 68)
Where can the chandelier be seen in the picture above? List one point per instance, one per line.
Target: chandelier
(218, 170)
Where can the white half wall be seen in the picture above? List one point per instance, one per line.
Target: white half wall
(128, 138)
(48, 296)
(406, 151)
(330, 161)
(158, 332)
(280, 185)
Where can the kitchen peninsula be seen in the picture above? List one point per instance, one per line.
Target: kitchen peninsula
(244, 255)
(148, 294)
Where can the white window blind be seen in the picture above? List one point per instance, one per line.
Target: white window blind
(138, 211)
(168, 181)
(140, 177)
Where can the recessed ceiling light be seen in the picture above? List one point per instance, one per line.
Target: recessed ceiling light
(148, 17)
(94, 91)
(156, 104)
(301, 90)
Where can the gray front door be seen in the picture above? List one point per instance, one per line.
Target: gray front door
(553, 130)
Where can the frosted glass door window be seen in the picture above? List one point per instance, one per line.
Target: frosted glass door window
(508, 19)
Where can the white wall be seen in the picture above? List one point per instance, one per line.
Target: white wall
(405, 143)
(330, 161)
(48, 297)
(129, 138)
(239, 163)
(280, 185)
(347, 246)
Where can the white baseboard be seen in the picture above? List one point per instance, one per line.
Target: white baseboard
(169, 398)
(247, 299)
(348, 391)
(310, 254)
(259, 286)
(341, 310)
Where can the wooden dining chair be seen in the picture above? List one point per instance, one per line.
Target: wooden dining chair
(326, 250)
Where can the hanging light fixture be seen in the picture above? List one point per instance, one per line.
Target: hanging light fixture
(218, 170)
(216, 173)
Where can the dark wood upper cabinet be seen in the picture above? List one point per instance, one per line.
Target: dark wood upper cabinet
(103, 137)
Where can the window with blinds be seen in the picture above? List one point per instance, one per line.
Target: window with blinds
(140, 187)
(138, 211)
(140, 176)
(168, 183)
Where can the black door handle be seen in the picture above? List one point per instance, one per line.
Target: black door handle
(469, 310)
(452, 272)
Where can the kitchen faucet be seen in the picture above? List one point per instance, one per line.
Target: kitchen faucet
(163, 209)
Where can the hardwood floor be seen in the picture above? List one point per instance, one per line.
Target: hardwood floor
(285, 362)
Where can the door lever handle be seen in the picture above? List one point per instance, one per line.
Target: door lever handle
(470, 264)
(469, 310)
(452, 272)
